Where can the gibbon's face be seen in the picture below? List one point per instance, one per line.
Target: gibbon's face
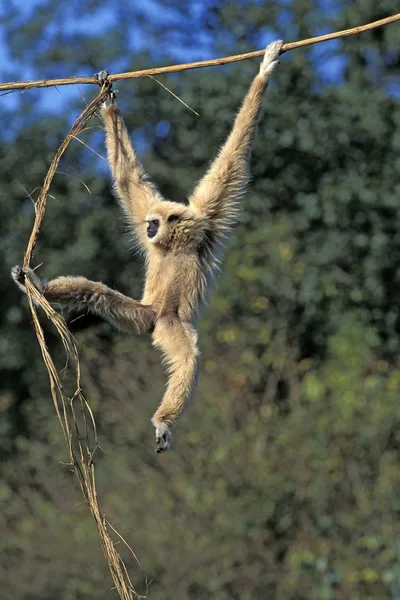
(174, 226)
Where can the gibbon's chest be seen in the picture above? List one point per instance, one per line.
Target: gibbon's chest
(174, 283)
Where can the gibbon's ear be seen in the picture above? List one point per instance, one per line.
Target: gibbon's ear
(173, 218)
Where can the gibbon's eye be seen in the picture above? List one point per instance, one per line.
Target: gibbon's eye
(173, 218)
(152, 227)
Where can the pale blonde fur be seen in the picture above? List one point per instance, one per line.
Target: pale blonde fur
(183, 255)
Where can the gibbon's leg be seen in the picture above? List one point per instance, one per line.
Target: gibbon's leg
(135, 191)
(178, 342)
(80, 293)
(218, 192)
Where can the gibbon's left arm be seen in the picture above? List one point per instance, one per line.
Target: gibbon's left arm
(217, 194)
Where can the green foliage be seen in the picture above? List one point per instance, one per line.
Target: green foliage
(284, 479)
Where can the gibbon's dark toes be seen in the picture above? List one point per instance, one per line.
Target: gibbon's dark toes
(162, 443)
(101, 76)
(160, 446)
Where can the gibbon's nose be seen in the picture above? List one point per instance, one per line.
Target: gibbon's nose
(152, 227)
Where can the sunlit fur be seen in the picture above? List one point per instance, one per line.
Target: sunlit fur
(181, 259)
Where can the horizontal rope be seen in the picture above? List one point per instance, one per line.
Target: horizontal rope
(39, 83)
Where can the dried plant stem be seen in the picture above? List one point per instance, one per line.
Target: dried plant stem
(24, 85)
(81, 445)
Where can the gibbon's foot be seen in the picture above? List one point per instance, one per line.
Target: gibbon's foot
(163, 437)
(270, 59)
(19, 274)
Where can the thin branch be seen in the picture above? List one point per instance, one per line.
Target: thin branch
(24, 85)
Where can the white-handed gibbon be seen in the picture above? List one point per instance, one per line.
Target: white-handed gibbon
(182, 245)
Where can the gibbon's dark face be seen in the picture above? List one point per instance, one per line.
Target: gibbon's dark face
(152, 227)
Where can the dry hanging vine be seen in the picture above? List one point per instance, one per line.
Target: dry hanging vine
(81, 448)
(79, 430)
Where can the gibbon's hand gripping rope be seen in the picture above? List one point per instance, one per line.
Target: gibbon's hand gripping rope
(74, 414)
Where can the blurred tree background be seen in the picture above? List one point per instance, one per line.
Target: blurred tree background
(284, 479)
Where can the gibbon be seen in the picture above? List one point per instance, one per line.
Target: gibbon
(182, 245)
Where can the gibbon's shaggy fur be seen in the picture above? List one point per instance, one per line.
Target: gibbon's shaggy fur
(181, 243)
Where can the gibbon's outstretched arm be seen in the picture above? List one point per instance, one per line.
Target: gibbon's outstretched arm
(136, 193)
(217, 194)
(80, 293)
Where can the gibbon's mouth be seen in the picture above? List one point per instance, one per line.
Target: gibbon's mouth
(152, 227)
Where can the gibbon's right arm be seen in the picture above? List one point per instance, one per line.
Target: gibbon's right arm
(136, 193)
(217, 194)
